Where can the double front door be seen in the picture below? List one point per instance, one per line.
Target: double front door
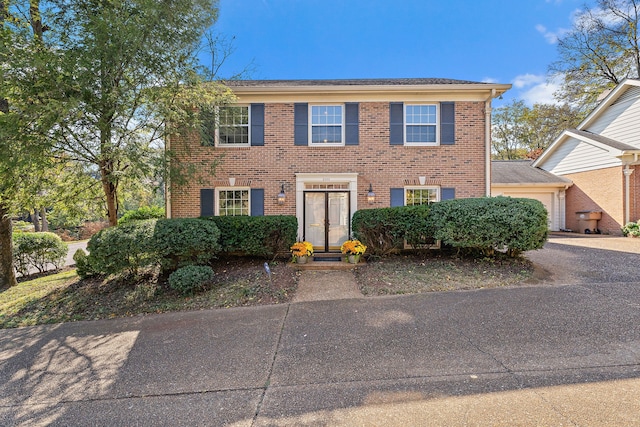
(326, 219)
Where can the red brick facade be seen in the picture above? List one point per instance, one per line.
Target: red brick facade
(461, 166)
(603, 190)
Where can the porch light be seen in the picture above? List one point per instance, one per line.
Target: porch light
(281, 196)
(371, 196)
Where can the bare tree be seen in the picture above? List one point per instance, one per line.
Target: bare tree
(601, 50)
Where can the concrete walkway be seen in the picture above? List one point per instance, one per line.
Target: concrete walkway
(326, 285)
(562, 355)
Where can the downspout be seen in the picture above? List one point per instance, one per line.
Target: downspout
(487, 142)
(167, 182)
(627, 197)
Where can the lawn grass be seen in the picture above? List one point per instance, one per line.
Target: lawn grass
(63, 297)
(237, 282)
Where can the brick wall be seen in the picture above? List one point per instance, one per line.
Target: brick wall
(461, 166)
(601, 190)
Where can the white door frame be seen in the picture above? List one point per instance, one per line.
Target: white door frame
(304, 179)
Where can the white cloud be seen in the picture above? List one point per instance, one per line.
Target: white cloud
(489, 80)
(551, 36)
(535, 89)
(525, 80)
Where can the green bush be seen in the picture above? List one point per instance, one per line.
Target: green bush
(631, 229)
(168, 243)
(190, 278)
(23, 226)
(185, 241)
(143, 212)
(82, 263)
(264, 236)
(385, 230)
(37, 250)
(487, 224)
(126, 248)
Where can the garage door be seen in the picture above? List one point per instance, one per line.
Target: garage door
(545, 198)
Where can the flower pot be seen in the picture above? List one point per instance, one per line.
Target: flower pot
(354, 259)
(302, 259)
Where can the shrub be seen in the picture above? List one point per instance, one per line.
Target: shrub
(264, 236)
(39, 251)
(190, 278)
(125, 248)
(385, 230)
(185, 241)
(82, 263)
(487, 224)
(143, 212)
(23, 226)
(169, 243)
(631, 229)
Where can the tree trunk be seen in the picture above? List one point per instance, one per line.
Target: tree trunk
(43, 215)
(35, 221)
(7, 274)
(110, 194)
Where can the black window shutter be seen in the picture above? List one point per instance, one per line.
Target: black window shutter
(447, 123)
(257, 124)
(257, 202)
(396, 123)
(206, 202)
(447, 193)
(351, 125)
(301, 124)
(397, 197)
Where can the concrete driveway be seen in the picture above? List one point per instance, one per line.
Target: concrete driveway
(549, 355)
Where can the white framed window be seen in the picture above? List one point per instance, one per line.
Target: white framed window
(326, 125)
(233, 128)
(414, 196)
(226, 126)
(232, 201)
(421, 124)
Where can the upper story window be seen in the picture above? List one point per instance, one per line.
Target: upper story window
(226, 126)
(421, 124)
(327, 125)
(414, 196)
(232, 201)
(233, 126)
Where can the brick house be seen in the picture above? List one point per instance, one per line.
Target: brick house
(600, 157)
(322, 149)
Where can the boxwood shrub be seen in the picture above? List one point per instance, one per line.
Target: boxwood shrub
(264, 236)
(143, 212)
(487, 224)
(38, 251)
(168, 243)
(190, 278)
(180, 242)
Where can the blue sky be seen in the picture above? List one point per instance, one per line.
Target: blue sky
(503, 41)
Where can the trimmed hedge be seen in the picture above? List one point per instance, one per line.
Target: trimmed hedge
(37, 250)
(125, 248)
(169, 243)
(143, 212)
(483, 224)
(486, 224)
(264, 236)
(190, 278)
(185, 241)
(384, 230)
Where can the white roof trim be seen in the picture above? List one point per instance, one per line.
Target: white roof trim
(604, 104)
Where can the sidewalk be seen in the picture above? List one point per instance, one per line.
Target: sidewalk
(544, 356)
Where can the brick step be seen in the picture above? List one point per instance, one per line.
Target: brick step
(318, 262)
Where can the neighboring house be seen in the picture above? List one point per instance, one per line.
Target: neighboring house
(517, 178)
(600, 157)
(322, 149)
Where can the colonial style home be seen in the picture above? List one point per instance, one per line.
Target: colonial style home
(322, 149)
(600, 157)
